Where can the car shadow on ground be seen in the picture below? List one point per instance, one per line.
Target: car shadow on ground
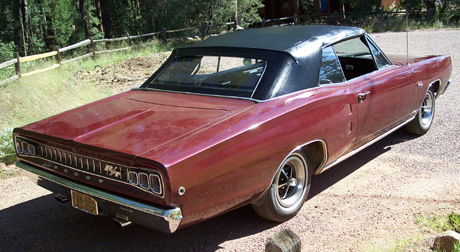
(43, 224)
(333, 175)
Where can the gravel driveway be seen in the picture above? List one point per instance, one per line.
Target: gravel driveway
(366, 202)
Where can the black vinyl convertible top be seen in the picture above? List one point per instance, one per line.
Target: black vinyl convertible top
(286, 38)
(293, 54)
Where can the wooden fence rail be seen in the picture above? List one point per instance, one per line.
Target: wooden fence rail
(74, 46)
(7, 63)
(165, 35)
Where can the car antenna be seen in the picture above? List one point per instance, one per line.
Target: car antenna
(407, 37)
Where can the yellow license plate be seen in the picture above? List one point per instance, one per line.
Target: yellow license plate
(84, 202)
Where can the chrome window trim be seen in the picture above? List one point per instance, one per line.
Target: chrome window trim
(200, 94)
(371, 41)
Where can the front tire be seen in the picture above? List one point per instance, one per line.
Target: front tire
(288, 191)
(424, 118)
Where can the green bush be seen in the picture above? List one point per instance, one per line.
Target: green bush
(6, 51)
(7, 154)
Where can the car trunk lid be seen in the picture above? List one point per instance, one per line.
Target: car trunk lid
(139, 121)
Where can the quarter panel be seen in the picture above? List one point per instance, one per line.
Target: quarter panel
(233, 162)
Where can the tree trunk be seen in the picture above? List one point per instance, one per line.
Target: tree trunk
(431, 8)
(84, 18)
(99, 15)
(106, 18)
(44, 26)
(50, 35)
(17, 25)
(146, 7)
(342, 9)
(25, 19)
(317, 5)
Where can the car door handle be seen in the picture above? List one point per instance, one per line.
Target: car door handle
(362, 96)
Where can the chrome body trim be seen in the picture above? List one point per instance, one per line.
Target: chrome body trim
(200, 94)
(339, 160)
(324, 160)
(91, 165)
(170, 217)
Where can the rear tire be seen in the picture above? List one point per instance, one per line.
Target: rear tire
(288, 191)
(424, 118)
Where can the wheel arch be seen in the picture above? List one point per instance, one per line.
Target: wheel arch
(435, 85)
(316, 153)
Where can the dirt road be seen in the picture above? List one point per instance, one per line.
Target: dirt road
(369, 201)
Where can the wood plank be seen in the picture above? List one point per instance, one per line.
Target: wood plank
(37, 56)
(77, 45)
(7, 63)
(41, 70)
(3, 82)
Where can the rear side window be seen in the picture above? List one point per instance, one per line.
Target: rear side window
(330, 71)
(352, 48)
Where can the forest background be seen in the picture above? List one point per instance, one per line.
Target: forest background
(35, 26)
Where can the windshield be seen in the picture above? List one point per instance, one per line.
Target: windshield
(218, 75)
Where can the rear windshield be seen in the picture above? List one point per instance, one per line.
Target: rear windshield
(218, 75)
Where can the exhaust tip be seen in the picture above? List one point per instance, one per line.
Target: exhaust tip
(61, 198)
(122, 220)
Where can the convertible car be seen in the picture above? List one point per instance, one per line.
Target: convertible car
(243, 118)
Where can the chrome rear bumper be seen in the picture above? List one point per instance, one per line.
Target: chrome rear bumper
(165, 220)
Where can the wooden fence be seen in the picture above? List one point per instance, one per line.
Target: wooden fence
(165, 35)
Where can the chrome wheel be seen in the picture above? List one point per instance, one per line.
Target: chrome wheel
(424, 118)
(290, 182)
(288, 191)
(426, 111)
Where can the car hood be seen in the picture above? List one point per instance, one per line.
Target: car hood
(138, 121)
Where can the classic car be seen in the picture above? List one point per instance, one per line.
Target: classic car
(242, 118)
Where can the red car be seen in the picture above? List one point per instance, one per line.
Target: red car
(242, 118)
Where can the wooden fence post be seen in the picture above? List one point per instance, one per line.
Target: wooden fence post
(17, 65)
(164, 35)
(58, 55)
(92, 48)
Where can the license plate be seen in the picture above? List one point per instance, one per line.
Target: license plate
(84, 202)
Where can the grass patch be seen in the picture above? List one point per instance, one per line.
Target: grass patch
(430, 224)
(454, 221)
(33, 98)
(400, 245)
(10, 172)
(439, 223)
